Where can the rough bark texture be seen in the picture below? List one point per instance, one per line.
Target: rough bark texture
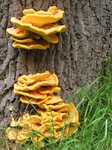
(76, 59)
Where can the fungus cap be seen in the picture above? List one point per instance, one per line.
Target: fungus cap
(23, 40)
(51, 81)
(44, 30)
(25, 80)
(28, 100)
(48, 90)
(41, 44)
(18, 32)
(51, 38)
(32, 94)
(43, 18)
(54, 100)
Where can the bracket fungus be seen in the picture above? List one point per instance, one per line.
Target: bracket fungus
(42, 18)
(41, 23)
(34, 101)
(18, 32)
(53, 114)
(25, 40)
(41, 44)
(50, 81)
(44, 30)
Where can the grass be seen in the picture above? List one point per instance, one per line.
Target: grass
(95, 114)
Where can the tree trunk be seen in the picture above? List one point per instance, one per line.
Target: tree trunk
(76, 59)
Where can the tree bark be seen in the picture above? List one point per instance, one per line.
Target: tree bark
(76, 59)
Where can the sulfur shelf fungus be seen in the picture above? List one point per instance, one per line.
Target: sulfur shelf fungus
(41, 23)
(42, 18)
(51, 38)
(49, 90)
(38, 76)
(41, 126)
(23, 36)
(51, 81)
(29, 79)
(41, 44)
(18, 32)
(26, 39)
(44, 30)
(41, 102)
(53, 115)
(29, 11)
(31, 94)
(39, 94)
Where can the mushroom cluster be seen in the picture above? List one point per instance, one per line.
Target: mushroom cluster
(36, 29)
(53, 114)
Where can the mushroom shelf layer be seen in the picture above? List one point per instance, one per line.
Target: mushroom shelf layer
(39, 26)
(53, 115)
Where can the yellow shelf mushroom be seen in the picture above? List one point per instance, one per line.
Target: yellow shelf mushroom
(38, 25)
(33, 94)
(25, 40)
(51, 81)
(41, 44)
(28, 100)
(18, 32)
(42, 18)
(44, 30)
(52, 114)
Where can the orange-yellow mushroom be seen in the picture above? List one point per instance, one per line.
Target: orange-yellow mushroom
(51, 38)
(51, 11)
(32, 11)
(55, 107)
(73, 117)
(69, 130)
(22, 135)
(51, 81)
(26, 120)
(29, 11)
(25, 78)
(28, 100)
(43, 18)
(52, 116)
(32, 94)
(44, 30)
(55, 113)
(23, 40)
(63, 110)
(17, 135)
(11, 133)
(56, 89)
(51, 119)
(38, 140)
(36, 24)
(32, 119)
(53, 100)
(41, 76)
(26, 39)
(48, 90)
(29, 79)
(18, 32)
(41, 44)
